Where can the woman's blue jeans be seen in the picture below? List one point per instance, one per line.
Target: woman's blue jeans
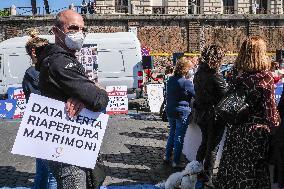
(43, 178)
(178, 127)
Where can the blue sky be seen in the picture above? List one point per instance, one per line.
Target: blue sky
(53, 4)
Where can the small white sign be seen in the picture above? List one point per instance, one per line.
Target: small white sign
(155, 96)
(118, 101)
(47, 132)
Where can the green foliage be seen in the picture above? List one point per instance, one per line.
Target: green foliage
(4, 12)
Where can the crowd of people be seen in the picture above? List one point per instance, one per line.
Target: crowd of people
(252, 142)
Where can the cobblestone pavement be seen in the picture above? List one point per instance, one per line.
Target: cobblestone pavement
(132, 152)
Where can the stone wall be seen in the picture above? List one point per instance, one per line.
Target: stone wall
(167, 34)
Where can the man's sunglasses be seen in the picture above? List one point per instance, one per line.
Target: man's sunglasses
(75, 28)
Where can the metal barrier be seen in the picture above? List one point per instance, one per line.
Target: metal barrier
(102, 9)
(27, 10)
(40, 10)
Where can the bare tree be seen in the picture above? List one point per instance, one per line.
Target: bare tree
(34, 9)
(46, 6)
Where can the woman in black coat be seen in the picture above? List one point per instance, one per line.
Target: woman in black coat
(210, 87)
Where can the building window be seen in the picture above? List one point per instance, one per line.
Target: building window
(261, 6)
(194, 7)
(158, 6)
(121, 6)
(229, 6)
(159, 10)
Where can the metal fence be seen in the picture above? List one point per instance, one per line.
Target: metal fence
(40, 10)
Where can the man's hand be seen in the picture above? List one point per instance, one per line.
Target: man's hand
(73, 107)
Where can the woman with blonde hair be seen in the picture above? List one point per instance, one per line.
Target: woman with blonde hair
(244, 163)
(179, 94)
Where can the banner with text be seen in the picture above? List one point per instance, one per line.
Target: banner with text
(118, 101)
(46, 132)
(155, 96)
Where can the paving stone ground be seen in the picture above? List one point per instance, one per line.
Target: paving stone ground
(138, 154)
(132, 152)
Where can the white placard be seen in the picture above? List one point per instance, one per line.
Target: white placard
(155, 96)
(118, 101)
(46, 132)
(192, 141)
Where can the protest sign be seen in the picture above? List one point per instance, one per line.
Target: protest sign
(7, 108)
(118, 101)
(46, 132)
(18, 94)
(88, 57)
(155, 96)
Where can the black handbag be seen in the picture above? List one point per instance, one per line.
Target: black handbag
(234, 106)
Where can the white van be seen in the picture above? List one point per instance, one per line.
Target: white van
(119, 60)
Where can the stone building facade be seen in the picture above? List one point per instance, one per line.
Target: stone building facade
(173, 7)
(168, 33)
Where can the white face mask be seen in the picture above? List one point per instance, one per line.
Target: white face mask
(282, 80)
(74, 41)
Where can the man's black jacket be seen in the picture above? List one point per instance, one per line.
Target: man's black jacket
(62, 77)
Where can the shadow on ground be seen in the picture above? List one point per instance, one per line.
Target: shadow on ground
(152, 157)
(10, 177)
(149, 132)
(145, 116)
(145, 135)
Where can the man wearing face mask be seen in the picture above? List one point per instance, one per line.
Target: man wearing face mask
(63, 78)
